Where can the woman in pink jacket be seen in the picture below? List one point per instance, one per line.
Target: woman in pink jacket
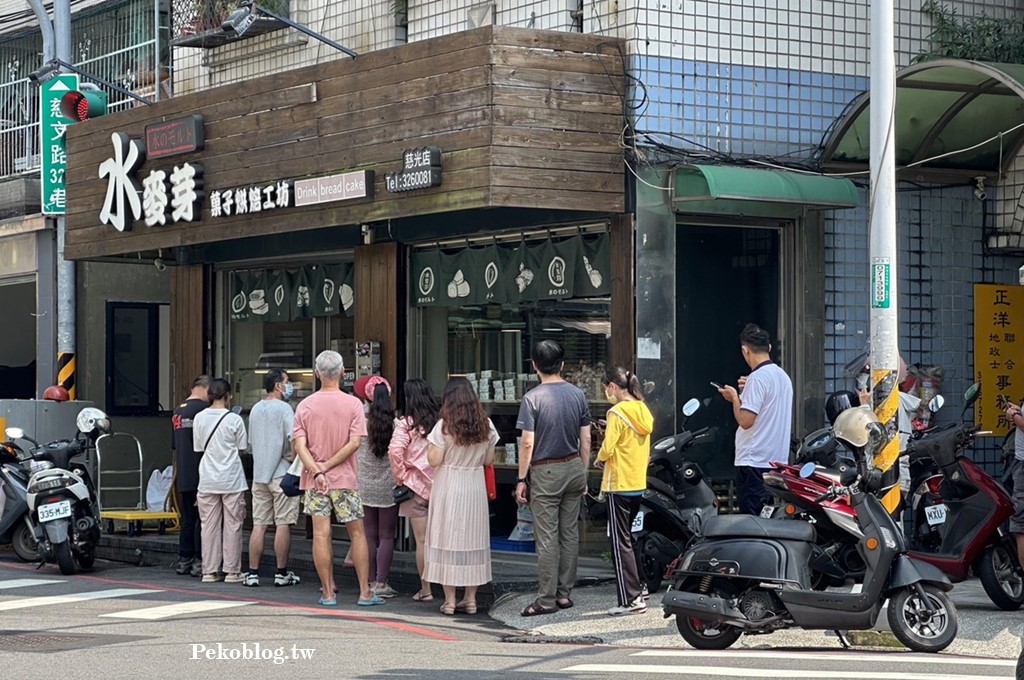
(408, 454)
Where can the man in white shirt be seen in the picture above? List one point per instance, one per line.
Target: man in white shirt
(764, 414)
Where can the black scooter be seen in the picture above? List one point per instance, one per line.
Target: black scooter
(751, 575)
(15, 522)
(677, 502)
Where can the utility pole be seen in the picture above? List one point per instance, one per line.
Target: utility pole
(882, 254)
(57, 43)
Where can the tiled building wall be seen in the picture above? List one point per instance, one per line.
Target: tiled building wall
(432, 18)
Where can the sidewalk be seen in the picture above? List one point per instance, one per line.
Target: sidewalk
(512, 572)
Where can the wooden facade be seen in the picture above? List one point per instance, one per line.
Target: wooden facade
(524, 118)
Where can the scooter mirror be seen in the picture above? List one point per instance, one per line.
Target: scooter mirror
(972, 394)
(14, 433)
(690, 407)
(807, 470)
(236, 409)
(936, 403)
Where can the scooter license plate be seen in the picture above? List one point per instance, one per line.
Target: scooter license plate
(54, 511)
(638, 522)
(767, 511)
(935, 514)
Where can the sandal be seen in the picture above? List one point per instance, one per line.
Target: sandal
(448, 609)
(536, 609)
(565, 604)
(466, 607)
(423, 597)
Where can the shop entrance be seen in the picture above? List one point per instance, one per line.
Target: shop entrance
(727, 277)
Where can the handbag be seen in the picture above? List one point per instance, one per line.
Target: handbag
(489, 483)
(402, 493)
(292, 479)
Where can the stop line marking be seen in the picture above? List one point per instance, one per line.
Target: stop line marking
(761, 672)
(895, 657)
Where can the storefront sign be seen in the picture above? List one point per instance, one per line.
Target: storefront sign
(253, 199)
(549, 270)
(998, 356)
(53, 125)
(174, 137)
(334, 188)
(421, 169)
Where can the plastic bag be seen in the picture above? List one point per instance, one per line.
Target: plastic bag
(158, 488)
(524, 525)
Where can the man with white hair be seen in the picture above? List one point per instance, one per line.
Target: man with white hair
(329, 426)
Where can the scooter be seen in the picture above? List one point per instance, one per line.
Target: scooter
(15, 523)
(752, 575)
(959, 516)
(61, 497)
(676, 503)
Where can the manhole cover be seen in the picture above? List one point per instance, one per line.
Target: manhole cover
(43, 641)
(529, 639)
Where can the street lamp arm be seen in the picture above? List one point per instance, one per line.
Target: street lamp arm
(101, 81)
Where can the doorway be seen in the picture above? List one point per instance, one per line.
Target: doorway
(728, 277)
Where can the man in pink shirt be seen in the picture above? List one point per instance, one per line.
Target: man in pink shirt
(329, 425)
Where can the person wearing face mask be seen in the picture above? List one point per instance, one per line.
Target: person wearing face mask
(624, 456)
(270, 433)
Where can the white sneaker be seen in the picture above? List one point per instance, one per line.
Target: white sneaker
(252, 580)
(644, 595)
(637, 606)
(384, 591)
(288, 579)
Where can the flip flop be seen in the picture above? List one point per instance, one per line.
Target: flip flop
(328, 603)
(536, 610)
(373, 601)
(565, 604)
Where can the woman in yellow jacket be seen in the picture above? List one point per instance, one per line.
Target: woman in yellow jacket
(624, 455)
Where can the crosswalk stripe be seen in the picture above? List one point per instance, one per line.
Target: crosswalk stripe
(27, 582)
(167, 610)
(73, 597)
(760, 672)
(895, 657)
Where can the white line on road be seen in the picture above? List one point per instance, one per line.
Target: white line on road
(27, 582)
(74, 597)
(894, 657)
(165, 611)
(761, 672)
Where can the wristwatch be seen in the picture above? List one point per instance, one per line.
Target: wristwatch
(521, 480)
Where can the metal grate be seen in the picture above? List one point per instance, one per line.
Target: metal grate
(197, 23)
(46, 642)
(120, 43)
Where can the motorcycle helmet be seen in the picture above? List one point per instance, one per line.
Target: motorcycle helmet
(56, 393)
(838, 402)
(856, 427)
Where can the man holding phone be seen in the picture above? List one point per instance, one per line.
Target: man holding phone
(764, 414)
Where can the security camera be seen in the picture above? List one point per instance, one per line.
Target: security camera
(979, 190)
(43, 73)
(159, 264)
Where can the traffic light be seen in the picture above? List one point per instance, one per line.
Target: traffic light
(84, 104)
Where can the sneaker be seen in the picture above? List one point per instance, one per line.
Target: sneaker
(384, 591)
(197, 569)
(234, 578)
(644, 594)
(637, 606)
(287, 579)
(252, 580)
(211, 578)
(183, 567)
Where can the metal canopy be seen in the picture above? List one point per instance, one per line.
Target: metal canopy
(699, 183)
(942, 106)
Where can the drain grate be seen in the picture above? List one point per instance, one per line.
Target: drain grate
(43, 641)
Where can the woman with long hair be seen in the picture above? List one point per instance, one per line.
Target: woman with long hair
(409, 465)
(219, 435)
(380, 514)
(458, 540)
(624, 456)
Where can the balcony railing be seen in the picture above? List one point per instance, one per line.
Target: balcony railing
(197, 23)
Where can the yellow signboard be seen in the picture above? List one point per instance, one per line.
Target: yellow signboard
(998, 353)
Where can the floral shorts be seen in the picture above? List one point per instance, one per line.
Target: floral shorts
(347, 505)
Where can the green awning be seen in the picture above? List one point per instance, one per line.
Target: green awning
(697, 185)
(954, 119)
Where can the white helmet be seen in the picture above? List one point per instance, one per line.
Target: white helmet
(856, 427)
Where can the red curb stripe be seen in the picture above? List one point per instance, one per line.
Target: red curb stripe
(415, 630)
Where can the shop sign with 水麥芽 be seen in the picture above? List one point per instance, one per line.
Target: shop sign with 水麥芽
(165, 195)
(421, 169)
(998, 353)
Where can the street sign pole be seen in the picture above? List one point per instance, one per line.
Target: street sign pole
(884, 323)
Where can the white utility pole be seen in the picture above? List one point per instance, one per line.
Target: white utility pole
(882, 254)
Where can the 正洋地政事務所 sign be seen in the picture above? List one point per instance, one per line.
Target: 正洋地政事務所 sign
(342, 187)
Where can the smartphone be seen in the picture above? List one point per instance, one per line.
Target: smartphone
(716, 385)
